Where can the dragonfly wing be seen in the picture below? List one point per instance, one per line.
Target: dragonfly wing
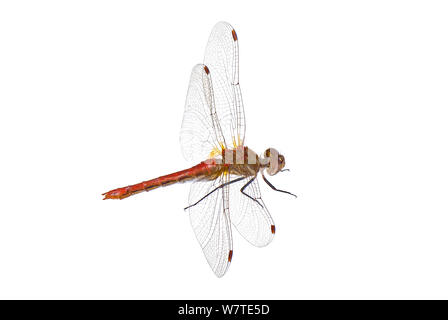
(252, 220)
(210, 221)
(200, 133)
(222, 58)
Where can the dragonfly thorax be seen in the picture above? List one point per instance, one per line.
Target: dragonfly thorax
(240, 161)
(244, 161)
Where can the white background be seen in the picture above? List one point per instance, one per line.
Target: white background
(353, 93)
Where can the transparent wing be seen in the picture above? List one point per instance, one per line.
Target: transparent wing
(211, 223)
(200, 133)
(251, 220)
(222, 58)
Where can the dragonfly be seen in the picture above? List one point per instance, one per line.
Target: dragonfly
(225, 189)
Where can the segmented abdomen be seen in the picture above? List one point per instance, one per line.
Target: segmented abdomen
(206, 169)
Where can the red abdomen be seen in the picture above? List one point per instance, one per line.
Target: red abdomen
(200, 171)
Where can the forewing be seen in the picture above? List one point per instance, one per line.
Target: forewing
(251, 218)
(210, 221)
(222, 58)
(200, 133)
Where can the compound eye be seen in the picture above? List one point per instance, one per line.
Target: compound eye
(271, 153)
(267, 153)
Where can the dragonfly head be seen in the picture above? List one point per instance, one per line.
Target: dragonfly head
(273, 161)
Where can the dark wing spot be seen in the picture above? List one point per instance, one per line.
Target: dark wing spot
(272, 229)
(230, 255)
(234, 35)
(206, 70)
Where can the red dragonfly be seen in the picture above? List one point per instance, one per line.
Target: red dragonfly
(225, 188)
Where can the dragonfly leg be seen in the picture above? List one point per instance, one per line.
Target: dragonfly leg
(274, 188)
(218, 187)
(245, 186)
